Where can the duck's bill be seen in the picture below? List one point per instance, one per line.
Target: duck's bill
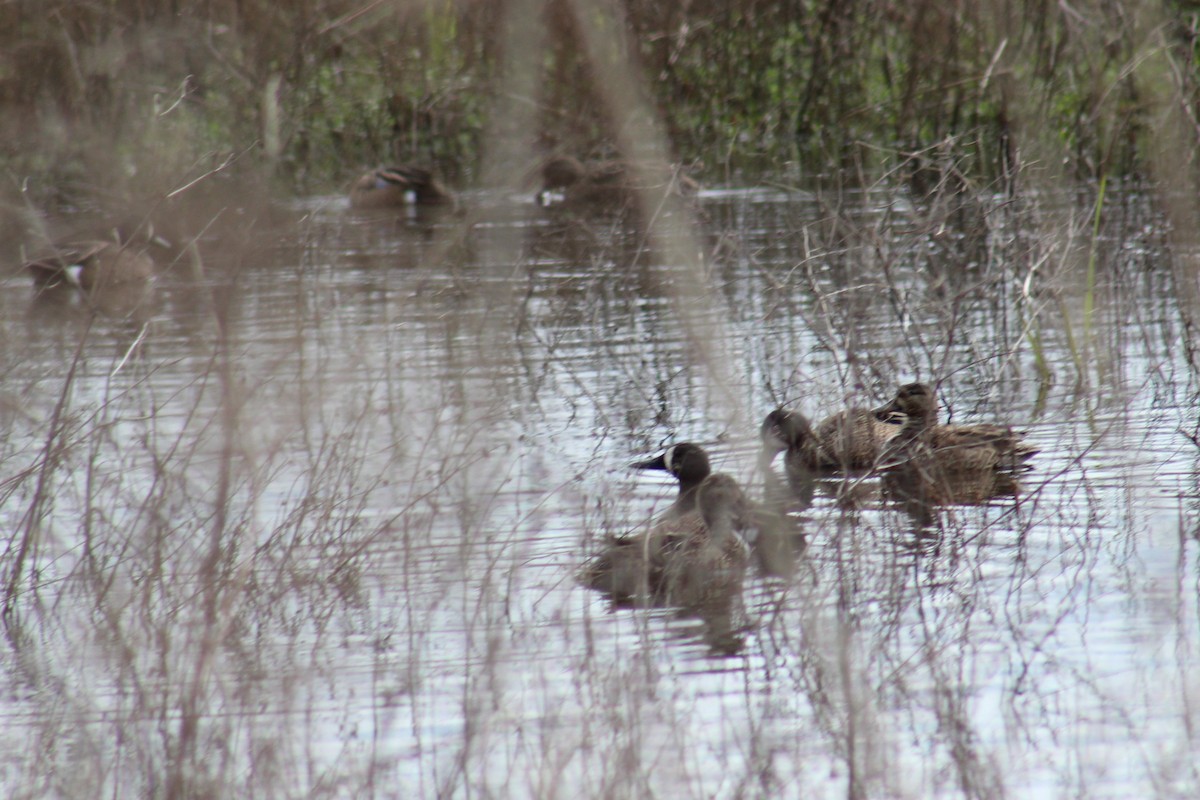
(658, 462)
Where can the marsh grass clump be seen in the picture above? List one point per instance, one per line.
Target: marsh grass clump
(130, 100)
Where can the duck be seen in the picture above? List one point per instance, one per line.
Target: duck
(94, 265)
(605, 182)
(691, 556)
(399, 186)
(950, 448)
(850, 439)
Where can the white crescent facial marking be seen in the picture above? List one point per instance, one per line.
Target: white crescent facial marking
(669, 456)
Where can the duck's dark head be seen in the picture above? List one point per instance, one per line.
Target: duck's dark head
(686, 461)
(783, 430)
(559, 172)
(914, 400)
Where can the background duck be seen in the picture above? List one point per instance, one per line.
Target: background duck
(849, 439)
(694, 553)
(95, 265)
(605, 182)
(952, 447)
(398, 186)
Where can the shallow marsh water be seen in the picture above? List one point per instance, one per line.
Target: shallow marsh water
(310, 522)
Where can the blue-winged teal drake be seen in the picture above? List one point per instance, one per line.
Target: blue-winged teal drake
(950, 447)
(694, 554)
(850, 439)
(605, 182)
(94, 266)
(395, 187)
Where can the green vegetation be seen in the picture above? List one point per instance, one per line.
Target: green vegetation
(138, 97)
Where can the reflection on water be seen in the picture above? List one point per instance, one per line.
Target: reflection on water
(314, 519)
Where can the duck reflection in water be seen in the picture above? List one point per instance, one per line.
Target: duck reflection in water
(921, 493)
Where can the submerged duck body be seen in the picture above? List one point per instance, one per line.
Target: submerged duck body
(950, 447)
(696, 553)
(850, 439)
(399, 186)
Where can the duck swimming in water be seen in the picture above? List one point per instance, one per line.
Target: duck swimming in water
(399, 186)
(922, 440)
(696, 553)
(849, 439)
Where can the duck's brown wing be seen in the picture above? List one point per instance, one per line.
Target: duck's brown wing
(405, 176)
(619, 570)
(1007, 446)
(853, 438)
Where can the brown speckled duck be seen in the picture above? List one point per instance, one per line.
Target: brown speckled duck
(849, 439)
(399, 186)
(949, 447)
